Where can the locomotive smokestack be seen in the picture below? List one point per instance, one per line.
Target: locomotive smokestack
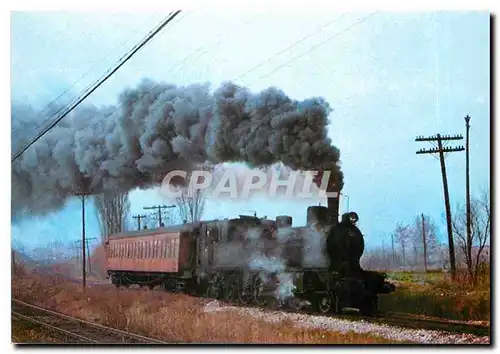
(333, 186)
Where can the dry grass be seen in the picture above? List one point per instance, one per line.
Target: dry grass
(436, 294)
(174, 318)
(28, 333)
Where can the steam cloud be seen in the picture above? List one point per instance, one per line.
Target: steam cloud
(157, 128)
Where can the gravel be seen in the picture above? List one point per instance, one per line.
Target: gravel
(343, 326)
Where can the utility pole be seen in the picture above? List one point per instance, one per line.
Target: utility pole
(14, 269)
(467, 188)
(159, 208)
(441, 150)
(139, 217)
(425, 243)
(393, 250)
(82, 196)
(87, 249)
(88, 255)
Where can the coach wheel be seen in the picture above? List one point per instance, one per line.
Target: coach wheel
(116, 282)
(324, 302)
(230, 292)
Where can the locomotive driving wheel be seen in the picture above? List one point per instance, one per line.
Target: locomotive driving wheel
(258, 297)
(326, 302)
(213, 291)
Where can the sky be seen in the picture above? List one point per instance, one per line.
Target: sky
(388, 77)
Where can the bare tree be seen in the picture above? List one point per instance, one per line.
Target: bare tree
(112, 210)
(55, 251)
(431, 240)
(191, 202)
(472, 248)
(403, 235)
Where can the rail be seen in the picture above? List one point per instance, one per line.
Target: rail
(82, 330)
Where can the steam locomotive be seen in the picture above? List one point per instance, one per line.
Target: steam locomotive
(253, 260)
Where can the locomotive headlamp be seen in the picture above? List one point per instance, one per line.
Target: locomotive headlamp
(353, 217)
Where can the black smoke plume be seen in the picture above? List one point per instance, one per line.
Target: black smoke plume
(156, 128)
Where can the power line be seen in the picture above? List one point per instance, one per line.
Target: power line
(159, 208)
(121, 44)
(122, 61)
(203, 49)
(289, 47)
(319, 44)
(139, 217)
(299, 41)
(85, 93)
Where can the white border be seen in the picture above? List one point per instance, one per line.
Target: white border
(215, 5)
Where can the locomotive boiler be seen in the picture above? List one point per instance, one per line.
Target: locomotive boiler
(253, 261)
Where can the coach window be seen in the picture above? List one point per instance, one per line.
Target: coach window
(175, 248)
(162, 246)
(136, 249)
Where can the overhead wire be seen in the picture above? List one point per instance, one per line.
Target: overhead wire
(121, 44)
(302, 54)
(98, 83)
(319, 45)
(203, 49)
(289, 47)
(155, 31)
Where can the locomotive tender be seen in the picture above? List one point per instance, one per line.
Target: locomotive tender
(254, 261)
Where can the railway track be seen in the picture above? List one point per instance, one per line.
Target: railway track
(414, 321)
(397, 319)
(410, 321)
(74, 329)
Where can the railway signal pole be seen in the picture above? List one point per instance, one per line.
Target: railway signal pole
(159, 208)
(139, 217)
(441, 150)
